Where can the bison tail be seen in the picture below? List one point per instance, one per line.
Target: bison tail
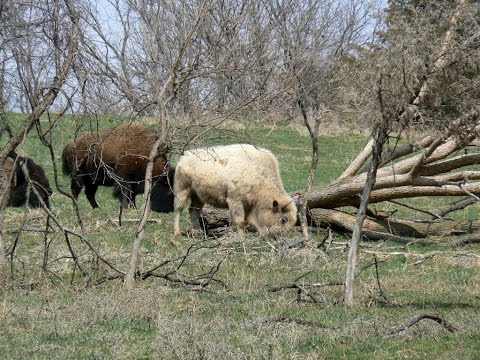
(67, 163)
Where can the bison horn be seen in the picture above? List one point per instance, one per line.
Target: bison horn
(285, 207)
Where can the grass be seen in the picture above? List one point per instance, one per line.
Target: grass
(61, 314)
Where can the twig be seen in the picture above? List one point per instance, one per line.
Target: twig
(457, 205)
(195, 281)
(53, 217)
(317, 324)
(368, 266)
(202, 280)
(108, 278)
(66, 231)
(120, 212)
(416, 209)
(183, 257)
(307, 291)
(468, 192)
(296, 286)
(420, 257)
(377, 276)
(413, 320)
(376, 235)
(117, 221)
(48, 144)
(211, 273)
(403, 253)
(303, 275)
(327, 241)
(295, 244)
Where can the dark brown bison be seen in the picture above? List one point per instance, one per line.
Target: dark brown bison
(19, 184)
(118, 157)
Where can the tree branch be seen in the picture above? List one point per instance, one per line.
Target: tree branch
(413, 320)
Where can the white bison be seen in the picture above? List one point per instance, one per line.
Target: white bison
(243, 178)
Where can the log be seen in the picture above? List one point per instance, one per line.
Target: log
(375, 229)
(443, 210)
(343, 221)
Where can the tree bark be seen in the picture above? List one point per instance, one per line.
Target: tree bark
(379, 139)
(343, 222)
(4, 192)
(311, 172)
(145, 210)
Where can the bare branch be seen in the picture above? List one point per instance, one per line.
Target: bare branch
(358, 162)
(415, 319)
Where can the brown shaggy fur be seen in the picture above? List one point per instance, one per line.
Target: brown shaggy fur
(243, 178)
(19, 184)
(118, 157)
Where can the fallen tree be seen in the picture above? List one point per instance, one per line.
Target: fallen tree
(430, 167)
(422, 78)
(442, 166)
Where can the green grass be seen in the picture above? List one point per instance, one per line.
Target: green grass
(61, 314)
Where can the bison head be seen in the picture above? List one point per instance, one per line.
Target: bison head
(161, 198)
(162, 193)
(275, 219)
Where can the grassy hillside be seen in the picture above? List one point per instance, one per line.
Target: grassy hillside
(229, 297)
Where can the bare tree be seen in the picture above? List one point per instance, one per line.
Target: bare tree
(227, 57)
(166, 59)
(434, 94)
(163, 98)
(192, 65)
(414, 103)
(39, 44)
(423, 76)
(312, 39)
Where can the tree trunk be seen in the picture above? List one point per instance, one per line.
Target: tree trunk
(311, 172)
(379, 140)
(4, 192)
(145, 210)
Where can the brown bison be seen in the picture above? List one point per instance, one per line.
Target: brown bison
(243, 178)
(19, 184)
(118, 157)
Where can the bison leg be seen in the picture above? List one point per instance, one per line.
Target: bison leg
(90, 191)
(180, 202)
(237, 214)
(127, 196)
(125, 193)
(76, 186)
(195, 208)
(43, 193)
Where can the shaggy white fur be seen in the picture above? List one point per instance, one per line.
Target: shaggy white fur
(243, 178)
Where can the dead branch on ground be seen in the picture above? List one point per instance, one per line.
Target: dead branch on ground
(305, 289)
(415, 319)
(174, 276)
(284, 319)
